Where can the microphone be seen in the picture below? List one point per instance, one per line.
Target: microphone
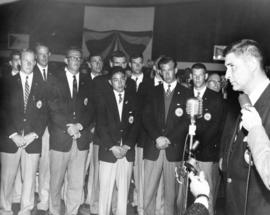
(193, 108)
(244, 101)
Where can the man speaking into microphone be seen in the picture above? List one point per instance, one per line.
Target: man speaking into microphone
(248, 185)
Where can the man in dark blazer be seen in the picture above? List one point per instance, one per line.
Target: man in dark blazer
(24, 124)
(166, 123)
(117, 128)
(44, 73)
(209, 129)
(246, 159)
(70, 115)
(144, 84)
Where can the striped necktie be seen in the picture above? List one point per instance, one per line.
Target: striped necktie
(26, 92)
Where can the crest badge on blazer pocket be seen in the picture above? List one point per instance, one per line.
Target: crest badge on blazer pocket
(179, 112)
(207, 116)
(131, 119)
(85, 101)
(39, 104)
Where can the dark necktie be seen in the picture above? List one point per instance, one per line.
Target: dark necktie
(26, 92)
(44, 75)
(120, 98)
(75, 87)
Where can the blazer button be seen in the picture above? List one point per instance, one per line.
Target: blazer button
(121, 130)
(229, 180)
(24, 120)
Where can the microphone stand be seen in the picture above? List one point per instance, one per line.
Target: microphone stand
(191, 133)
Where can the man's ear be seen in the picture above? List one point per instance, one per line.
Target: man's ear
(10, 63)
(89, 64)
(49, 54)
(66, 60)
(111, 64)
(110, 82)
(205, 76)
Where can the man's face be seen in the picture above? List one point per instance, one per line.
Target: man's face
(118, 81)
(168, 72)
(73, 61)
(136, 65)
(213, 82)
(15, 62)
(96, 64)
(238, 72)
(199, 77)
(28, 62)
(43, 54)
(119, 61)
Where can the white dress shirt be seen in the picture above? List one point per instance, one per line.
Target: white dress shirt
(172, 86)
(41, 69)
(70, 81)
(138, 79)
(201, 91)
(23, 79)
(119, 104)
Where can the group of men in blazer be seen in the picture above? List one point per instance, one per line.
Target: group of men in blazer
(138, 117)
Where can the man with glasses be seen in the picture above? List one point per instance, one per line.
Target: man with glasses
(70, 115)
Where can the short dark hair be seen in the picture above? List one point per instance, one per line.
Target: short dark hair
(94, 55)
(136, 55)
(199, 66)
(14, 53)
(165, 60)
(117, 53)
(39, 44)
(246, 47)
(115, 70)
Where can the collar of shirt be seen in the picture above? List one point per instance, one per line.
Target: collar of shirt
(173, 85)
(69, 76)
(157, 81)
(257, 92)
(93, 75)
(116, 94)
(23, 78)
(41, 68)
(201, 91)
(139, 80)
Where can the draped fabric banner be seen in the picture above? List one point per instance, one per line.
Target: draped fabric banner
(105, 42)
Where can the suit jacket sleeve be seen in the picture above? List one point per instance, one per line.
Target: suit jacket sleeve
(149, 121)
(259, 144)
(102, 126)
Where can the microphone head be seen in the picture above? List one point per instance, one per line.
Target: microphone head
(193, 107)
(244, 101)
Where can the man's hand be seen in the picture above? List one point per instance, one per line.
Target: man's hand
(250, 118)
(125, 148)
(162, 142)
(74, 129)
(29, 138)
(199, 185)
(118, 152)
(18, 140)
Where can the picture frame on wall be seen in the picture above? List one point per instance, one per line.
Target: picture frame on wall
(218, 52)
(18, 41)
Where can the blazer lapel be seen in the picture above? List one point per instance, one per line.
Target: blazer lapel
(114, 108)
(19, 92)
(161, 105)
